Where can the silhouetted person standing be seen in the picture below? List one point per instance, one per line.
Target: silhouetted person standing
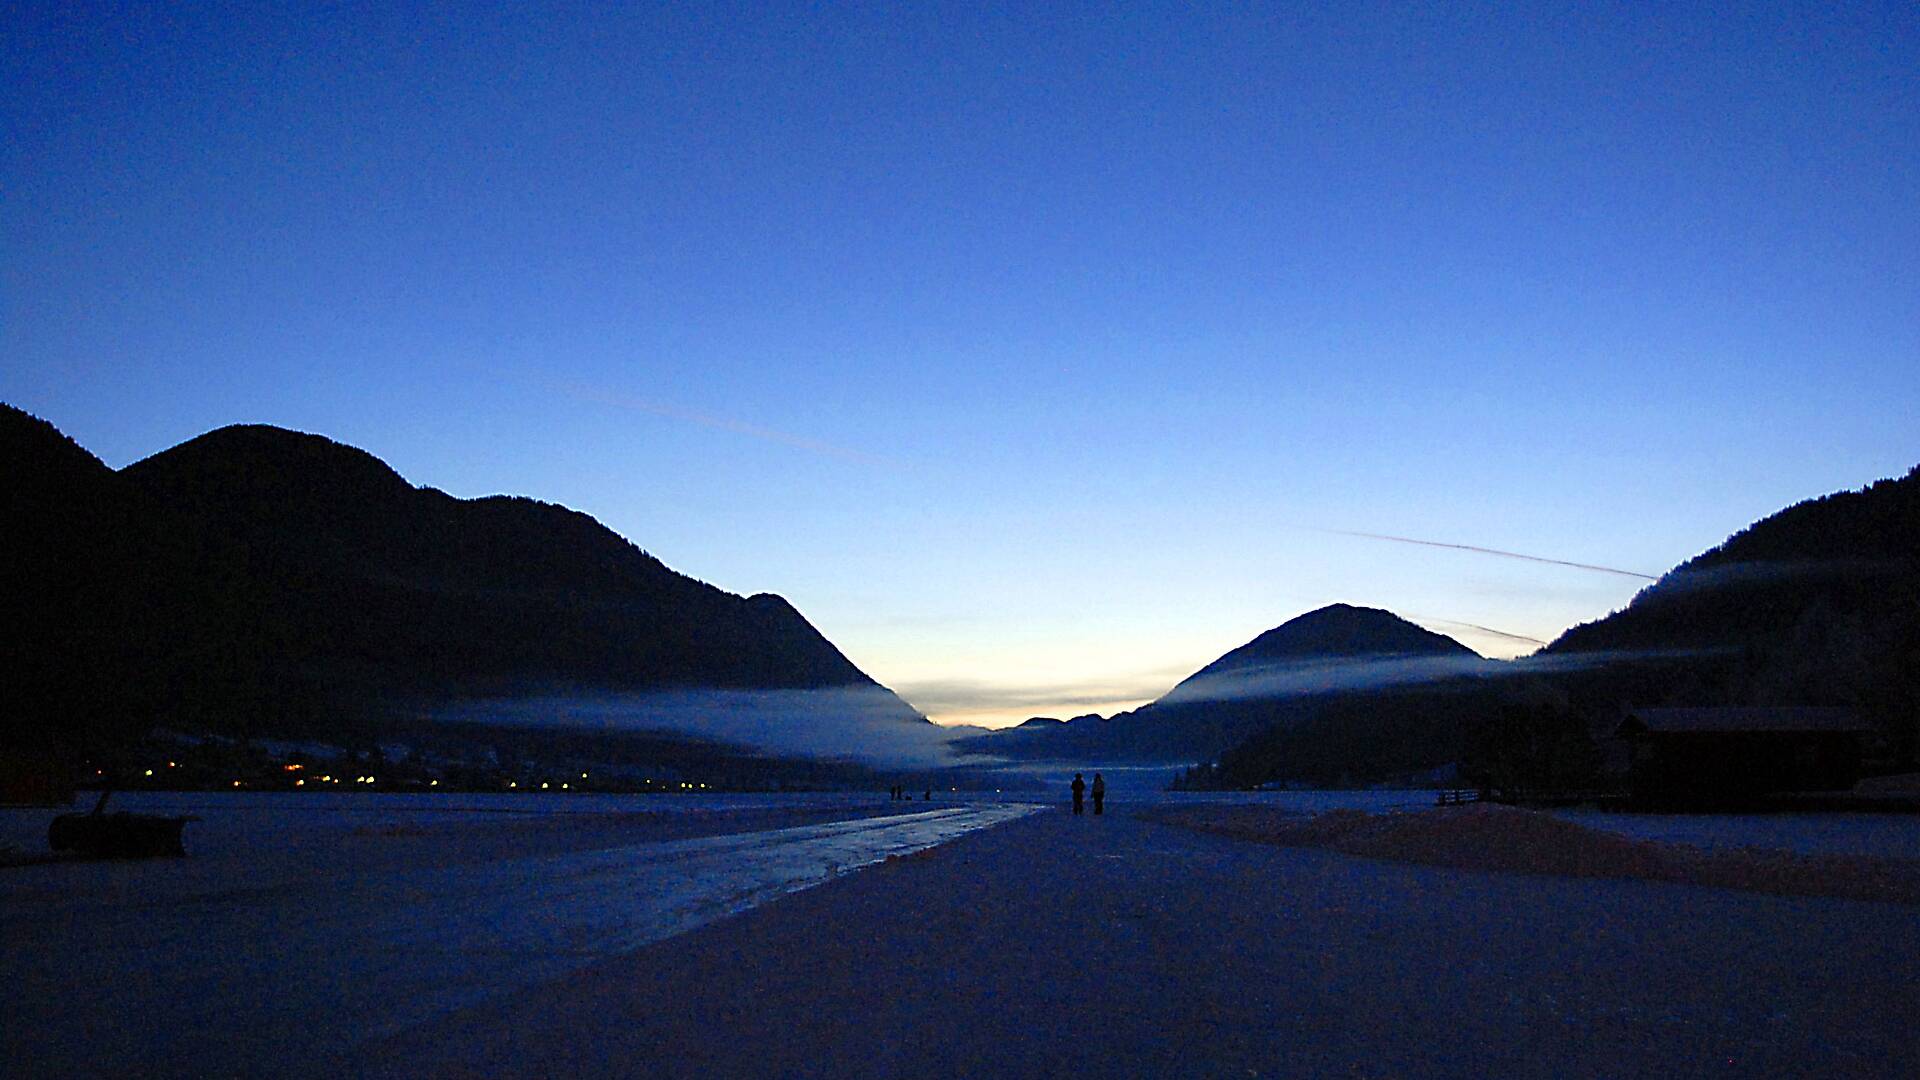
(1079, 793)
(1099, 793)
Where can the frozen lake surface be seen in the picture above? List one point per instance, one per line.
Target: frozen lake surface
(304, 925)
(259, 965)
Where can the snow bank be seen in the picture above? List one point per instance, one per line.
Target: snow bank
(1504, 838)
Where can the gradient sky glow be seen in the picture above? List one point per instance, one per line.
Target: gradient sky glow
(1038, 357)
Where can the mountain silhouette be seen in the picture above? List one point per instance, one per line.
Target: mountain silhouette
(1338, 630)
(77, 611)
(1818, 604)
(1329, 641)
(256, 581)
(1283, 676)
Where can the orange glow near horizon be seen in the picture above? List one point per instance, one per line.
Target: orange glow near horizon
(1006, 718)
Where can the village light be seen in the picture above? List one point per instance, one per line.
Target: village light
(299, 783)
(149, 772)
(543, 785)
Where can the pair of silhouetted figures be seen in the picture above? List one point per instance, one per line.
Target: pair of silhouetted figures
(899, 791)
(1099, 794)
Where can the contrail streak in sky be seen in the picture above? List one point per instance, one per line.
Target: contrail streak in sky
(1493, 551)
(1482, 629)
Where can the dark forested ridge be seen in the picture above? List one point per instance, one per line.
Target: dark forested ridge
(79, 608)
(256, 580)
(1818, 604)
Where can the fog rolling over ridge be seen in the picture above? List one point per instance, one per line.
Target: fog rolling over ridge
(255, 582)
(864, 723)
(1324, 676)
(1279, 677)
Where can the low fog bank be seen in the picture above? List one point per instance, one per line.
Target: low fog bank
(1304, 678)
(1692, 579)
(867, 723)
(1298, 678)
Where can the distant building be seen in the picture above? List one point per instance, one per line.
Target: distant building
(1721, 752)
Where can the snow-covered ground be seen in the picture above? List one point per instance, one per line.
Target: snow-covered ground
(1888, 835)
(302, 925)
(244, 817)
(304, 928)
(256, 821)
(1121, 947)
(1895, 836)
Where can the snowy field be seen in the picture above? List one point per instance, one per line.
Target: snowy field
(1120, 947)
(301, 926)
(1879, 834)
(305, 927)
(253, 819)
(1895, 836)
(256, 821)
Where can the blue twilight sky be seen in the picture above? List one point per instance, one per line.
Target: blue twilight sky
(1039, 354)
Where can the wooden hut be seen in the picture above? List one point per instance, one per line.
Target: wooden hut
(1734, 752)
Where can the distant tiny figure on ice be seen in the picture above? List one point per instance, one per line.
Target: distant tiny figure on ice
(1099, 793)
(1079, 793)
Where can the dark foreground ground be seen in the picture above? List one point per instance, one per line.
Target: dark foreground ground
(1117, 947)
(300, 931)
